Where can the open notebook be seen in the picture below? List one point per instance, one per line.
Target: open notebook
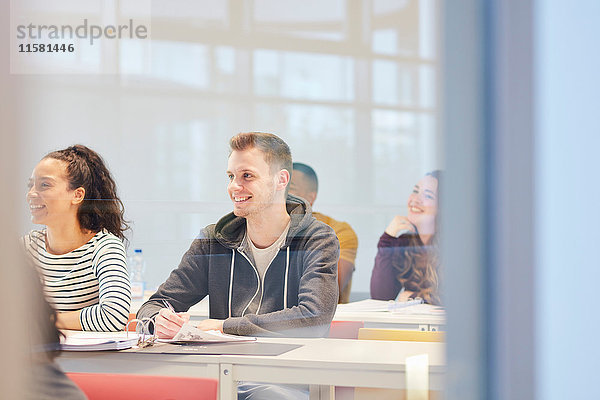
(191, 334)
(97, 341)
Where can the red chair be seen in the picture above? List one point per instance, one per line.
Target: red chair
(133, 324)
(127, 387)
(345, 329)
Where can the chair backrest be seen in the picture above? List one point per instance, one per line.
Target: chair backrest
(400, 335)
(131, 325)
(148, 387)
(345, 329)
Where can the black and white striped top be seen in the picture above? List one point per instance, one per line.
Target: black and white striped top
(92, 278)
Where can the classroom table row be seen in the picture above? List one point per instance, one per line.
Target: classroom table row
(321, 363)
(371, 319)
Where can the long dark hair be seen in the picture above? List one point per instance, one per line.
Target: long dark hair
(101, 207)
(420, 273)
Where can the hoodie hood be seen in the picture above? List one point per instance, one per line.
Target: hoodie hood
(230, 230)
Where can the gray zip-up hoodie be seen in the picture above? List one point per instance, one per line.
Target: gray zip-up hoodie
(300, 285)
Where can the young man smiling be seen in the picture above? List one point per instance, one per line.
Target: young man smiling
(269, 267)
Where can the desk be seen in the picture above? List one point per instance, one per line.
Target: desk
(388, 320)
(378, 319)
(320, 363)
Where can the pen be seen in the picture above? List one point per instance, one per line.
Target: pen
(168, 305)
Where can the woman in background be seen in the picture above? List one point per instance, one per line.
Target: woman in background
(80, 254)
(407, 261)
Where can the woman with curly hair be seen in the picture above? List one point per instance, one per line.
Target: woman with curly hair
(80, 253)
(407, 261)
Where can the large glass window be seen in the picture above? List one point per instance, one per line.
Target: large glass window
(352, 86)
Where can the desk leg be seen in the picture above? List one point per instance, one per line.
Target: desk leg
(313, 392)
(321, 392)
(227, 386)
(327, 392)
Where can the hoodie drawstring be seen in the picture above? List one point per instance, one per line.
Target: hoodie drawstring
(285, 283)
(231, 279)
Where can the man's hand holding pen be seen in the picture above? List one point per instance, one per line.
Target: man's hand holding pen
(168, 322)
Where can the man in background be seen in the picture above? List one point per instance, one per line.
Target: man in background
(305, 184)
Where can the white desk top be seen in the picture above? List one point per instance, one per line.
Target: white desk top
(342, 353)
(341, 362)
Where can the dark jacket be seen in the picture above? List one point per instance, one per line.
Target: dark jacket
(300, 285)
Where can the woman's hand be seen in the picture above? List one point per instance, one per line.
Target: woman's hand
(399, 225)
(404, 295)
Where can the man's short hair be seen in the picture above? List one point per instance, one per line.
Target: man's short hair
(277, 152)
(310, 174)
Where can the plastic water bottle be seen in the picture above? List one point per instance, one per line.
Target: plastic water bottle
(137, 267)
